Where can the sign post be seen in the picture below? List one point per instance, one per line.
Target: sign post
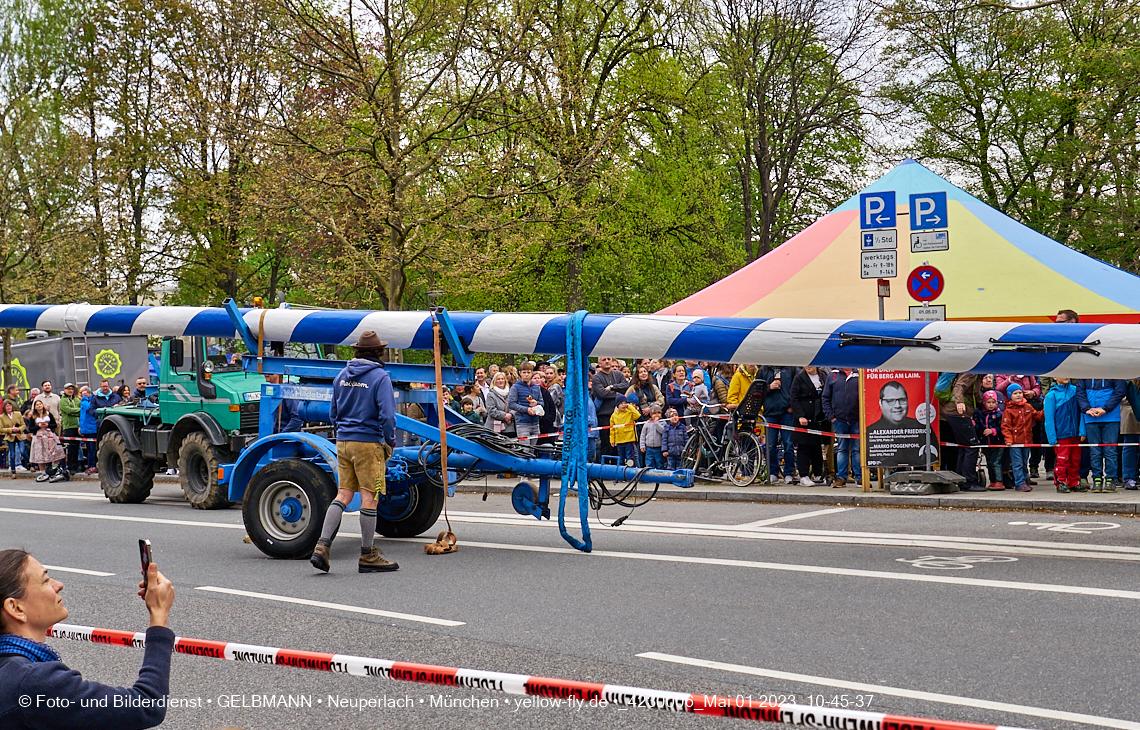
(879, 241)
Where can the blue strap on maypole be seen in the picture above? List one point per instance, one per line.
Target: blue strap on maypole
(575, 436)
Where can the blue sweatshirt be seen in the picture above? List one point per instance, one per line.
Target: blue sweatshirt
(20, 676)
(363, 407)
(517, 402)
(1063, 413)
(88, 422)
(288, 419)
(1100, 393)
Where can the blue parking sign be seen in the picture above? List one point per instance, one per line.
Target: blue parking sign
(928, 211)
(877, 210)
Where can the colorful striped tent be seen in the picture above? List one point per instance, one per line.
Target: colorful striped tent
(995, 269)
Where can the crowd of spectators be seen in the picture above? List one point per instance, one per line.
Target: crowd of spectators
(52, 434)
(1007, 426)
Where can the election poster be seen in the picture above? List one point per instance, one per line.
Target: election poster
(896, 415)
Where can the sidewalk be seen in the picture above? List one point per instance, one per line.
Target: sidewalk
(1043, 498)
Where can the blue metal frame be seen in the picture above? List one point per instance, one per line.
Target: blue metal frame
(314, 394)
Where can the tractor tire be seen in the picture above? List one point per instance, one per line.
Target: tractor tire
(198, 462)
(284, 507)
(409, 512)
(125, 476)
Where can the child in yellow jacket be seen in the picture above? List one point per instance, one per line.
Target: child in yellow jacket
(623, 432)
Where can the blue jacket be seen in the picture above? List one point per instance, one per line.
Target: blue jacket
(20, 676)
(88, 423)
(984, 419)
(106, 401)
(841, 397)
(673, 438)
(363, 407)
(592, 419)
(777, 402)
(517, 403)
(289, 419)
(1062, 413)
(1100, 393)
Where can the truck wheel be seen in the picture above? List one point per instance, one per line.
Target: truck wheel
(410, 511)
(284, 507)
(126, 477)
(198, 462)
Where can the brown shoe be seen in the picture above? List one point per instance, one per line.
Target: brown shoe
(320, 559)
(839, 483)
(374, 562)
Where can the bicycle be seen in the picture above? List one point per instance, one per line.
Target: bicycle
(737, 453)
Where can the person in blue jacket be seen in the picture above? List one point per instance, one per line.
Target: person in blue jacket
(363, 413)
(287, 418)
(1064, 428)
(31, 671)
(88, 427)
(1099, 400)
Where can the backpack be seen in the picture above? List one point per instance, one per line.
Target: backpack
(944, 388)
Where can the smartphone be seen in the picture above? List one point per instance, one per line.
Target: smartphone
(144, 556)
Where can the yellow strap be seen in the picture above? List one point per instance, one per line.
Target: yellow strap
(261, 339)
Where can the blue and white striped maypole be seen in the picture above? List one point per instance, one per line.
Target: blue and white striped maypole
(1073, 350)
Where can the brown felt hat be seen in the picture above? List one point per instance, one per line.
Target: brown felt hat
(369, 341)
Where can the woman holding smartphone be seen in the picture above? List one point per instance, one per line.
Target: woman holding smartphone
(30, 604)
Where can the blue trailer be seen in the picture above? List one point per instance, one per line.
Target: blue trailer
(286, 481)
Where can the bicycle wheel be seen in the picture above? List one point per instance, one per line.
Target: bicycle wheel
(692, 455)
(743, 459)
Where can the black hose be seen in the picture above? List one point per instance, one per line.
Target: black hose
(601, 496)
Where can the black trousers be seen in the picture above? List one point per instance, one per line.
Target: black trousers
(72, 449)
(607, 449)
(809, 459)
(967, 463)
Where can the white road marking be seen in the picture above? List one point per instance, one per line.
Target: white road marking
(122, 518)
(788, 567)
(1100, 552)
(789, 518)
(52, 495)
(1079, 528)
(899, 692)
(80, 571)
(817, 569)
(1017, 547)
(334, 606)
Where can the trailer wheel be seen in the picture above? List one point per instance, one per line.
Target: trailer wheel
(284, 507)
(410, 511)
(198, 462)
(125, 476)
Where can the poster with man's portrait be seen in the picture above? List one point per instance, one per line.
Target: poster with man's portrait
(897, 414)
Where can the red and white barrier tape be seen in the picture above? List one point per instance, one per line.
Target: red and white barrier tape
(1027, 446)
(521, 684)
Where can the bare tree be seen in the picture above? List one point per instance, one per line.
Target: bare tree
(382, 129)
(794, 68)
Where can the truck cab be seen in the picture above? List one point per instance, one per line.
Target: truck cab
(203, 412)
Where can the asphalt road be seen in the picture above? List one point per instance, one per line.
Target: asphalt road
(1006, 618)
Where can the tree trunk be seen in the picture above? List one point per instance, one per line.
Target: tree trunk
(744, 167)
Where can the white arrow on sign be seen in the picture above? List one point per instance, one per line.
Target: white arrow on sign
(881, 219)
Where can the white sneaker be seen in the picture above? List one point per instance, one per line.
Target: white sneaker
(789, 479)
(774, 479)
(807, 482)
(21, 467)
